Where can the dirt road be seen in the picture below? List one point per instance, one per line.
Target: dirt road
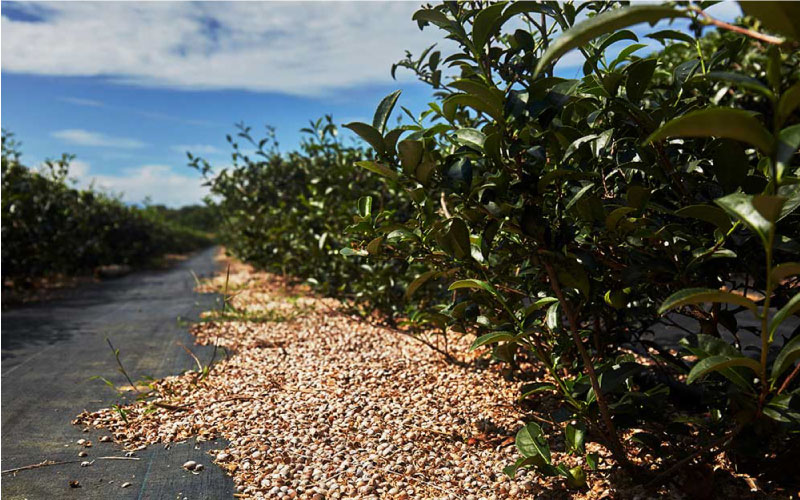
(49, 352)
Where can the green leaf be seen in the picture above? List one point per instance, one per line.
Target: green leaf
(348, 252)
(458, 234)
(474, 284)
(671, 35)
(592, 460)
(718, 122)
(705, 295)
(786, 358)
(788, 102)
(369, 134)
(384, 110)
(553, 318)
(378, 169)
(575, 435)
(419, 281)
(639, 75)
(432, 16)
(784, 312)
(531, 442)
(740, 80)
(365, 206)
(485, 23)
(576, 478)
(718, 363)
(612, 221)
(779, 17)
(539, 304)
(742, 207)
(607, 22)
(492, 338)
(410, 153)
(374, 246)
(470, 137)
(511, 470)
(707, 213)
(788, 142)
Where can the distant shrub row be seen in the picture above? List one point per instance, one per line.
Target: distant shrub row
(49, 227)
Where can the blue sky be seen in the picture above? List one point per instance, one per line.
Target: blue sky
(128, 87)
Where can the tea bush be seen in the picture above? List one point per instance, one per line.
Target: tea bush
(567, 223)
(51, 228)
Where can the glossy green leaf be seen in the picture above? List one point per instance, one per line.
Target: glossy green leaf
(384, 111)
(365, 206)
(470, 137)
(707, 213)
(369, 134)
(663, 35)
(718, 122)
(419, 281)
(788, 143)
(741, 207)
(575, 436)
(740, 80)
(607, 22)
(492, 338)
(786, 358)
(788, 103)
(640, 73)
(378, 169)
(410, 153)
(790, 308)
(718, 363)
(531, 442)
(486, 21)
(703, 296)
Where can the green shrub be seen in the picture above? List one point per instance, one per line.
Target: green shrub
(558, 220)
(568, 215)
(51, 228)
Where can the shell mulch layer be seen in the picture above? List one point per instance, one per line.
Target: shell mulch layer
(317, 403)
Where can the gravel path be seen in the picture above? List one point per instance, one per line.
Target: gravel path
(314, 403)
(319, 404)
(49, 350)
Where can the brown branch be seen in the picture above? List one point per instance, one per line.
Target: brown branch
(616, 445)
(785, 383)
(45, 463)
(738, 29)
(681, 463)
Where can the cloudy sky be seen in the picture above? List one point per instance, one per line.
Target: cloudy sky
(129, 87)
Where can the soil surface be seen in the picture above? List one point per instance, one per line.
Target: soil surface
(49, 352)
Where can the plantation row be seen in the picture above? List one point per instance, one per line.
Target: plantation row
(51, 228)
(560, 222)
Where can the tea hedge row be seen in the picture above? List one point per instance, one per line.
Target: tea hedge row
(561, 222)
(49, 227)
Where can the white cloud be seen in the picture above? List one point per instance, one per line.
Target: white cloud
(158, 182)
(288, 47)
(82, 137)
(195, 149)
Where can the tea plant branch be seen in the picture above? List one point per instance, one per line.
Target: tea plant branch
(707, 19)
(719, 443)
(792, 375)
(613, 438)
